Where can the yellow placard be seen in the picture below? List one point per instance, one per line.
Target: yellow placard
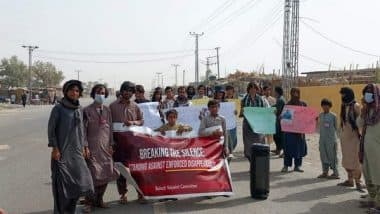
(200, 102)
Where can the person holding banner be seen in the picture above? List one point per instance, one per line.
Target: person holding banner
(172, 125)
(98, 135)
(350, 138)
(123, 110)
(219, 94)
(251, 99)
(169, 101)
(182, 100)
(232, 134)
(295, 144)
(201, 92)
(214, 119)
(370, 144)
(279, 136)
(71, 178)
(140, 95)
(190, 91)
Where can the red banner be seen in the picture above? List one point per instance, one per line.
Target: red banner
(174, 167)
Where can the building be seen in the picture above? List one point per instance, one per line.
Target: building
(357, 76)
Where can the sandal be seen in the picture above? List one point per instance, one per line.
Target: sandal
(346, 184)
(359, 188)
(333, 176)
(101, 204)
(123, 199)
(86, 208)
(323, 175)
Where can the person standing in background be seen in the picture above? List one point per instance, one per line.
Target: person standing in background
(370, 145)
(295, 147)
(279, 136)
(251, 99)
(350, 138)
(328, 141)
(140, 95)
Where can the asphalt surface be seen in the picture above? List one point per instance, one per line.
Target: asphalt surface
(25, 185)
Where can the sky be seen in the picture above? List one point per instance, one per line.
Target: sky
(117, 40)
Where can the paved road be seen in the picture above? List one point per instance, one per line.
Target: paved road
(25, 179)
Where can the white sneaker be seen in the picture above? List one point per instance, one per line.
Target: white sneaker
(230, 156)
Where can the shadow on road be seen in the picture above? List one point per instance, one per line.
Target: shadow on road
(299, 182)
(314, 194)
(201, 204)
(350, 206)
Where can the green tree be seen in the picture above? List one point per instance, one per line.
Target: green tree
(46, 75)
(14, 72)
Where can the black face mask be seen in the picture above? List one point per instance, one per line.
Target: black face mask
(347, 99)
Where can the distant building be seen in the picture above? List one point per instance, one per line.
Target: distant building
(359, 76)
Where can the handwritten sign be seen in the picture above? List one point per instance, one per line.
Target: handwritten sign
(299, 119)
(261, 120)
(200, 102)
(151, 115)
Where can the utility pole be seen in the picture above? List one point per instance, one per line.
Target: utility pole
(30, 51)
(176, 74)
(290, 49)
(78, 71)
(217, 60)
(183, 77)
(196, 35)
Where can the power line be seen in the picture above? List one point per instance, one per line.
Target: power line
(217, 12)
(338, 43)
(245, 8)
(267, 27)
(113, 62)
(114, 53)
(308, 57)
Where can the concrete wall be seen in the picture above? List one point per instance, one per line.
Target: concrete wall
(314, 94)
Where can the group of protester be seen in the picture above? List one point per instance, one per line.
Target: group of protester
(360, 142)
(84, 150)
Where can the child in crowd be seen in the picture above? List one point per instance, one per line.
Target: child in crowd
(214, 119)
(328, 141)
(172, 125)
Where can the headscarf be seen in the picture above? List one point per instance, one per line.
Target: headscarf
(66, 101)
(348, 100)
(375, 117)
(296, 101)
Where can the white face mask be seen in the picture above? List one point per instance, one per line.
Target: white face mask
(368, 97)
(100, 98)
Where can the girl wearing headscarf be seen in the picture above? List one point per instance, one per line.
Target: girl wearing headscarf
(370, 144)
(71, 177)
(251, 99)
(350, 137)
(98, 135)
(294, 144)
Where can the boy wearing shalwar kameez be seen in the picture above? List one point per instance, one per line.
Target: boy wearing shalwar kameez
(328, 141)
(71, 177)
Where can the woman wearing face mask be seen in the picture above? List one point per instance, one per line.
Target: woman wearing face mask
(350, 137)
(370, 143)
(98, 135)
